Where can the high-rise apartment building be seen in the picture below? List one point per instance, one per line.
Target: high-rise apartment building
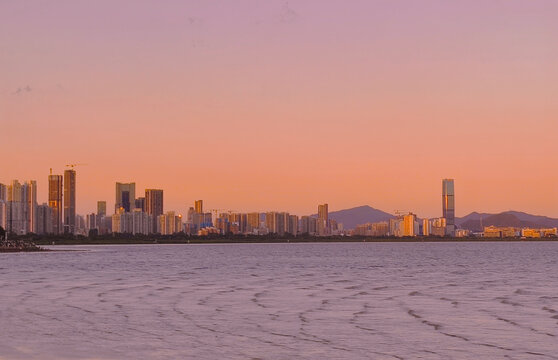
(271, 219)
(293, 225)
(125, 197)
(15, 191)
(101, 208)
(55, 186)
(140, 204)
(69, 201)
(190, 215)
(3, 205)
(323, 220)
(21, 207)
(308, 225)
(438, 227)
(198, 205)
(169, 223)
(3, 192)
(3, 214)
(426, 226)
(410, 225)
(253, 221)
(154, 204)
(44, 219)
(30, 198)
(277, 222)
(448, 205)
(91, 221)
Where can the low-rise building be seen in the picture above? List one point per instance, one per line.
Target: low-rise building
(530, 233)
(499, 232)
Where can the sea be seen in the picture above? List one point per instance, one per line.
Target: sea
(412, 300)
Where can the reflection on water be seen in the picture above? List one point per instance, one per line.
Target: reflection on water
(282, 301)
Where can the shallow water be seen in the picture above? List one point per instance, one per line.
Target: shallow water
(282, 301)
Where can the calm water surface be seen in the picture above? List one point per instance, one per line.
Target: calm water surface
(282, 301)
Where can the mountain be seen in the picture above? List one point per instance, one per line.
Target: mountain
(358, 215)
(542, 220)
(475, 216)
(507, 218)
(367, 214)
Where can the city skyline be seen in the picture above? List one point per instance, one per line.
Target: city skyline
(183, 206)
(286, 179)
(281, 105)
(20, 213)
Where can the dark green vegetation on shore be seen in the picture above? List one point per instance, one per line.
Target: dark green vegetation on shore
(182, 238)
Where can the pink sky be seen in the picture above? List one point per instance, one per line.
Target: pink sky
(268, 105)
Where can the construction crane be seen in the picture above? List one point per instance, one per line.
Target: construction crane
(74, 165)
(400, 212)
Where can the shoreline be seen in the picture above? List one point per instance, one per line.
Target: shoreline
(37, 243)
(7, 250)
(146, 241)
(39, 246)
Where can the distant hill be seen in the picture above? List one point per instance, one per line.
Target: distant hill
(358, 215)
(472, 216)
(543, 220)
(367, 214)
(507, 218)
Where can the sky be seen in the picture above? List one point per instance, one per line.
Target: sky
(257, 105)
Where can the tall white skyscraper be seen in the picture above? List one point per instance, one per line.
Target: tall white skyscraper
(448, 205)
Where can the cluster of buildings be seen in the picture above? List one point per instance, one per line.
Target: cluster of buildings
(528, 233)
(274, 222)
(404, 225)
(21, 214)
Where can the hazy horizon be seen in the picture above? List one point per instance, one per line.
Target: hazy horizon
(276, 105)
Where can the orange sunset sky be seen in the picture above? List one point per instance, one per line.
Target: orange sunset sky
(274, 105)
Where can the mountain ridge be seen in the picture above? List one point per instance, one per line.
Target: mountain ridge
(359, 215)
(352, 217)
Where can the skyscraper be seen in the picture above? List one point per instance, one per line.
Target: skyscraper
(448, 205)
(101, 208)
(30, 198)
(3, 214)
(293, 225)
(69, 201)
(409, 225)
(253, 220)
(3, 207)
(323, 217)
(44, 219)
(140, 204)
(15, 217)
(21, 207)
(154, 203)
(3, 192)
(55, 201)
(125, 197)
(199, 206)
(190, 215)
